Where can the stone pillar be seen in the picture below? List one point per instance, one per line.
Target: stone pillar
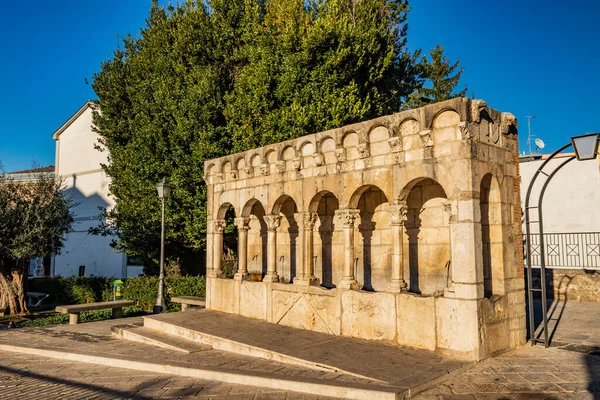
(308, 274)
(465, 242)
(272, 222)
(347, 218)
(209, 249)
(242, 226)
(398, 213)
(218, 226)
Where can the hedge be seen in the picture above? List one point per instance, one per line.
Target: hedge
(142, 289)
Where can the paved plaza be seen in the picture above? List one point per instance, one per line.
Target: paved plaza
(23, 376)
(571, 370)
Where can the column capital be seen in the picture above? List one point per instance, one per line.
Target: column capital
(272, 222)
(218, 225)
(398, 212)
(242, 223)
(347, 216)
(307, 219)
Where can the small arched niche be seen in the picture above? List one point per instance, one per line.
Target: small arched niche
(427, 242)
(378, 141)
(307, 150)
(328, 150)
(350, 143)
(491, 237)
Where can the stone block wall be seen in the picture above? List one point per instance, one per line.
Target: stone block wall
(404, 229)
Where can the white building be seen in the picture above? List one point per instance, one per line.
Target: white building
(78, 162)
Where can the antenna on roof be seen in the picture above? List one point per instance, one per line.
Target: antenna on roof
(529, 118)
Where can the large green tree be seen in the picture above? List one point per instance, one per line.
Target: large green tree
(34, 217)
(204, 79)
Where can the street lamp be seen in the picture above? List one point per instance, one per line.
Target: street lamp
(586, 148)
(164, 190)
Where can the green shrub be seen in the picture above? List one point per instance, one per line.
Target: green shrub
(143, 290)
(73, 290)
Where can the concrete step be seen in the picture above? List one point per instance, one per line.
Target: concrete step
(156, 338)
(156, 323)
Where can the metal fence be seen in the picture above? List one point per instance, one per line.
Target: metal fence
(567, 250)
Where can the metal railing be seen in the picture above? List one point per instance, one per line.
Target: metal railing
(567, 250)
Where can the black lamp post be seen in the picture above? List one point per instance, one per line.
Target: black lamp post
(586, 148)
(164, 190)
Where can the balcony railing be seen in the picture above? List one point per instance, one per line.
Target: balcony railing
(567, 250)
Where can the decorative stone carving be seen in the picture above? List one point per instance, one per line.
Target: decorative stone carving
(233, 174)
(494, 133)
(218, 225)
(398, 212)
(508, 123)
(272, 221)
(297, 164)
(363, 150)
(398, 157)
(249, 171)
(220, 177)
(340, 154)
(395, 143)
(319, 159)
(280, 167)
(476, 107)
(465, 132)
(264, 169)
(426, 137)
(348, 216)
(242, 223)
(309, 220)
(447, 207)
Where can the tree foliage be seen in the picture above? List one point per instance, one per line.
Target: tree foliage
(34, 217)
(204, 79)
(442, 78)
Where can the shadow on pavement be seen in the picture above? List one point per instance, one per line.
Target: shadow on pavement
(30, 383)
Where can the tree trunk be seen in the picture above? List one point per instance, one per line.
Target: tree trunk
(8, 294)
(19, 287)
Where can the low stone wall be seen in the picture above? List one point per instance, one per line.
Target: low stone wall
(447, 325)
(570, 284)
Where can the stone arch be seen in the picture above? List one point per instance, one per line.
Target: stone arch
(257, 236)
(445, 126)
(327, 149)
(374, 237)
(307, 149)
(350, 142)
(288, 245)
(226, 168)
(409, 132)
(223, 210)
(378, 140)
(429, 122)
(427, 250)
(328, 243)
(255, 160)
(490, 201)
(211, 169)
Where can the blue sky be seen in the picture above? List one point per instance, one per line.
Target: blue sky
(528, 57)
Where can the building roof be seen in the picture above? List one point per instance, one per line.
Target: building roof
(68, 123)
(49, 168)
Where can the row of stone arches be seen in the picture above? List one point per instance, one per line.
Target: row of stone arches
(372, 244)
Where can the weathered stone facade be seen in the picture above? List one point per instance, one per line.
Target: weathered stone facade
(404, 229)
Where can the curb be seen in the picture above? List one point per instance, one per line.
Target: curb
(309, 386)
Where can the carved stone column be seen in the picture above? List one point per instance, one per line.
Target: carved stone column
(398, 213)
(272, 222)
(209, 249)
(242, 226)
(347, 218)
(307, 277)
(218, 226)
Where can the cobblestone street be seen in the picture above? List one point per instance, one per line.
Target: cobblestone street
(24, 376)
(529, 373)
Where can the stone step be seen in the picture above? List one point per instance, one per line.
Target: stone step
(157, 323)
(157, 338)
